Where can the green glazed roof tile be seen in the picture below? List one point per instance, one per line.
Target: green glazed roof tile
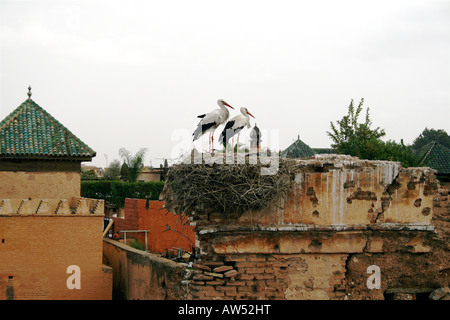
(298, 149)
(31, 132)
(435, 156)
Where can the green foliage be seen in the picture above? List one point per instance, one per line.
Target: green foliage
(359, 140)
(429, 135)
(353, 138)
(113, 171)
(88, 175)
(124, 172)
(134, 164)
(134, 243)
(394, 151)
(115, 192)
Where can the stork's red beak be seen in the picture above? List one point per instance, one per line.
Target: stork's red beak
(250, 114)
(227, 105)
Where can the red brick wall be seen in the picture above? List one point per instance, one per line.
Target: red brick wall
(154, 218)
(35, 251)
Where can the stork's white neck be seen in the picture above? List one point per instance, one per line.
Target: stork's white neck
(223, 108)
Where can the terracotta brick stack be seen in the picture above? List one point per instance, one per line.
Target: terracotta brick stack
(239, 277)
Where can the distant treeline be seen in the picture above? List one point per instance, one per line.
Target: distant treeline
(114, 192)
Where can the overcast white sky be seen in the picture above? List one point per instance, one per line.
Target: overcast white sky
(135, 74)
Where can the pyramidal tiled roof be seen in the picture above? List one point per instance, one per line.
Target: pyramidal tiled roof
(435, 156)
(298, 149)
(30, 132)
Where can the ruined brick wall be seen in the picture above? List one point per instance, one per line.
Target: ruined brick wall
(139, 216)
(342, 216)
(41, 238)
(129, 220)
(143, 276)
(269, 276)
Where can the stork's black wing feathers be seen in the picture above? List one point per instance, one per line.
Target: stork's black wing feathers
(228, 125)
(201, 116)
(201, 129)
(229, 132)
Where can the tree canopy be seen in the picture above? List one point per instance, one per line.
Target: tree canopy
(134, 164)
(428, 135)
(354, 138)
(360, 140)
(112, 172)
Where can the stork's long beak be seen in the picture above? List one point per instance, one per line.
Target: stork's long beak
(227, 105)
(250, 114)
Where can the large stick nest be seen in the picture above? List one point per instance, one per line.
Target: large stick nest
(231, 188)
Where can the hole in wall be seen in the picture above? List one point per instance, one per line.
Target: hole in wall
(315, 244)
(426, 211)
(418, 202)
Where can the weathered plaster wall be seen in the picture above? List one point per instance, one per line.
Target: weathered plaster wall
(52, 185)
(342, 216)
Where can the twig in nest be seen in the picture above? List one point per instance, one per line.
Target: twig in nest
(224, 188)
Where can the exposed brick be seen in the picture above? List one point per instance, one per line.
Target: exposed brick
(253, 270)
(245, 264)
(231, 293)
(214, 294)
(216, 275)
(213, 263)
(226, 288)
(245, 288)
(243, 276)
(201, 267)
(264, 276)
(237, 283)
(230, 273)
(222, 268)
(202, 277)
(216, 282)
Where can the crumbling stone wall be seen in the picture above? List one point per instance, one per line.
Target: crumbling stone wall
(342, 216)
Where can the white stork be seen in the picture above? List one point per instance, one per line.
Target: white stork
(234, 126)
(210, 121)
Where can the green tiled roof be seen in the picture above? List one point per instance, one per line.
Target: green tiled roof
(29, 132)
(298, 149)
(435, 156)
